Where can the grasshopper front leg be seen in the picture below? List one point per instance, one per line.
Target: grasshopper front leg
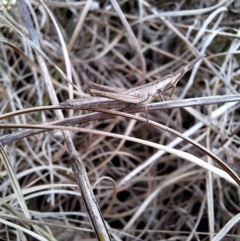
(160, 95)
(170, 96)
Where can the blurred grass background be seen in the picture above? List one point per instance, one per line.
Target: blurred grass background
(122, 46)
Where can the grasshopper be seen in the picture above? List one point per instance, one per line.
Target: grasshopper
(114, 98)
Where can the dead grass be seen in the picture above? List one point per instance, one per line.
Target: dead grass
(146, 190)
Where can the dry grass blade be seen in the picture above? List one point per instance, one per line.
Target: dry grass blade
(231, 223)
(158, 146)
(76, 162)
(132, 38)
(139, 108)
(19, 195)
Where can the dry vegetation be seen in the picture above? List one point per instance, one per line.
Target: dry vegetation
(154, 187)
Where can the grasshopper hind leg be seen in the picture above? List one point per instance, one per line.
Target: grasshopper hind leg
(146, 112)
(146, 101)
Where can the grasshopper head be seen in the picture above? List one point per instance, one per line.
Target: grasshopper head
(182, 71)
(187, 67)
